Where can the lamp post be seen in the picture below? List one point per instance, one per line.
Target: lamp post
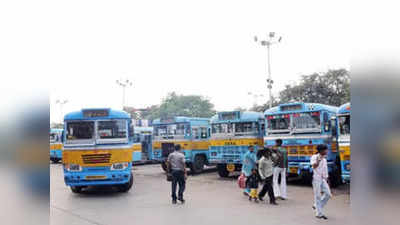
(123, 84)
(61, 103)
(270, 40)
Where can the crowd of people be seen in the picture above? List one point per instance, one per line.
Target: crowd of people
(264, 168)
(269, 164)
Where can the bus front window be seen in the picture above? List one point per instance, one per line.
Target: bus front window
(344, 125)
(53, 137)
(278, 124)
(80, 132)
(309, 122)
(113, 129)
(245, 128)
(222, 128)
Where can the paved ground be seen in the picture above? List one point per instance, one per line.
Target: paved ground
(210, 200)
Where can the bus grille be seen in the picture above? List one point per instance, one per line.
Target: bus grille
(96, 158)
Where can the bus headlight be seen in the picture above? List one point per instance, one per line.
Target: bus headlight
(73, 167)
(119, 166)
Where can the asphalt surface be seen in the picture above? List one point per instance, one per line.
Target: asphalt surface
(209, 200)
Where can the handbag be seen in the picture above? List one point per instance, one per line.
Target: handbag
(242, 181)
(169, 177)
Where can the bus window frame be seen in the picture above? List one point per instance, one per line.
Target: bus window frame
(112, 140)
(80, 142)
(308, 130)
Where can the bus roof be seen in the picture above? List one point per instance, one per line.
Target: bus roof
(96, 114)
(345, 108)
(180, 119)
(237, 116)
(299, 107)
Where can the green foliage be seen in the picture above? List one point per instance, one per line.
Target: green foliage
(181, 105)
(331, 88)
(57, 125)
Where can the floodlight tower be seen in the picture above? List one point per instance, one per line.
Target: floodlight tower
(270, 40)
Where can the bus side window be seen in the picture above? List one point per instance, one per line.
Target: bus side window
(195, 133)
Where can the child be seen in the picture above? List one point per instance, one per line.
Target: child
(252, 183)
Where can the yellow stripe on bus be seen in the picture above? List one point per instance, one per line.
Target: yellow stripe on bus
(238, 142)
(185, 145)
(55, 146)
(117, 155)
(344, 152)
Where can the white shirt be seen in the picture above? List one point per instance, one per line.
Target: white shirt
(321, 172)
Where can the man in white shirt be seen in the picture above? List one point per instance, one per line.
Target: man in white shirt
(320, 180)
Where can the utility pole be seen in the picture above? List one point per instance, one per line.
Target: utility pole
(123, 84)
(270, 40)
(61, 103)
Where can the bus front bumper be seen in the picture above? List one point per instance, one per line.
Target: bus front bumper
(97, 178)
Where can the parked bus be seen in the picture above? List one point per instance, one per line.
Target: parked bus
(98, 146)
(56, 145)
(232, 134)
(344, 140)
(191, 133)
(303, 126)
(143, 141)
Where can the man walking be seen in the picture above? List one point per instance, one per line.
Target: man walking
(177, 167)
(249, 163)
(265, 169)
(320, 181)
(281, 164)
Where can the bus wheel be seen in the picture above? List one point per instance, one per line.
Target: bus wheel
(222, 171)
(198, 165)
(76, 189)
(127, 186)
(164, 166)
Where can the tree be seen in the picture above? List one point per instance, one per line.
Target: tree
(263, 107)
(181, 105)
(331, 88)
(57, 125)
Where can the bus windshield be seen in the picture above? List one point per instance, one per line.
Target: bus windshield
(344, 124)
(275, 124)
(222, 128)
(245, 128)
(112, 129)
(169, 130)
(80, 132)
(309, 121)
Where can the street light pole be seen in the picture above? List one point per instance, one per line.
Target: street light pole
(62, 103)
(124, 84)
(271, 39)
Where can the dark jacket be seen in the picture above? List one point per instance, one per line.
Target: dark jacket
(252, 181)
(280, 157)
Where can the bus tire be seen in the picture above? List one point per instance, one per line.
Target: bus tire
(127, 186)
(76, 189)
(164, 166)
(222, 171)
(198, 164)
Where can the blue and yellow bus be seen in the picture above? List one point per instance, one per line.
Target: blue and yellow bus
(56, 144)
(232, 133)
(191, 133)
(98, 149)
(143, 140)
(303, 126)
(343, 117)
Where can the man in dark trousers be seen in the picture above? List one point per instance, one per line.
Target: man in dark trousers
(265, 169)
(177, 167)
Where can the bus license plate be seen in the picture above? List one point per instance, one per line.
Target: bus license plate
(293, 170)
(96, 177)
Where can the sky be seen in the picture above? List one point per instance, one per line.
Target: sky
(191, 47)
